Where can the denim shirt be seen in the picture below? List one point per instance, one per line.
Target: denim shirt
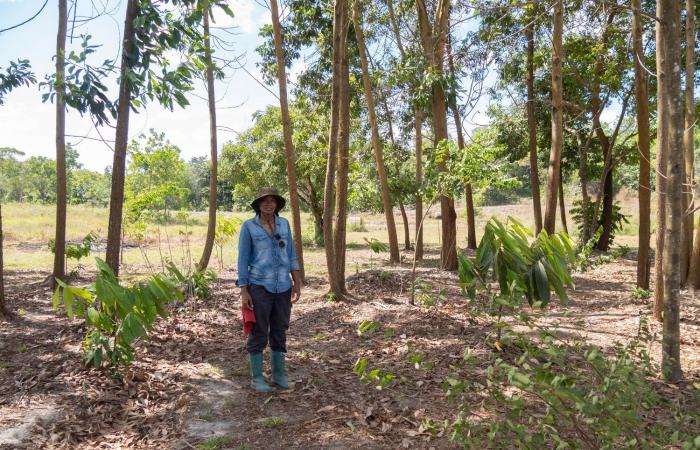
(261, 260)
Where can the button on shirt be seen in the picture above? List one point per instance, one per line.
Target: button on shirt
(261, 259)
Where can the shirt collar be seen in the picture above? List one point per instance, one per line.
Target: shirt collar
(257, 221)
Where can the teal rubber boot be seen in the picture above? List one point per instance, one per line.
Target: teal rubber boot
(256, 373)
(278, 376)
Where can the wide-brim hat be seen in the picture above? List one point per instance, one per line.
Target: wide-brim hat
(266, 192)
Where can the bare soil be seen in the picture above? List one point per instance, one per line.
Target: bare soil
(190, 382)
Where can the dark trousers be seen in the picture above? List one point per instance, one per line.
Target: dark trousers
(272, 312)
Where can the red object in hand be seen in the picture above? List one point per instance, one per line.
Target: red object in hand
(248, 320)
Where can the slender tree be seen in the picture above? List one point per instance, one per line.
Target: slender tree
(116, 202)
(688, 140)
(662, 112)
(287, 131)
(339, 9)
(394, 255)
(433, 38)
(59, 269)
(343, 166)
(642, 97)
(213, 146)
(562, 203)
(531, 119)
(669, 42)
(557, 118)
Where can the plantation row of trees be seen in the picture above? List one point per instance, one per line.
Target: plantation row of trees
(387, 84)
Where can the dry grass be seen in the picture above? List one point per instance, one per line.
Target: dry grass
(28, 228)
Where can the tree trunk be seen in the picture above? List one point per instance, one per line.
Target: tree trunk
(688, 142)
(419, 182)
(688, 138)
(603, 243)
(434, 39)
(287, 130)
(4, 312)
(343, 137)
(394, 255)
(213, 149)
(332, 159)
(562, 204)
(406, 232)
(532, 120)
(59, 257)
(116, 203)
(669, 41)
(316, 208)
(583, 175)
(661, 159)
(642, 97)
(557, 119)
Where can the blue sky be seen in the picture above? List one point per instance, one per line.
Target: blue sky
(28, 124)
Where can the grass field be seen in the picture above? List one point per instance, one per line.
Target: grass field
(28, 228)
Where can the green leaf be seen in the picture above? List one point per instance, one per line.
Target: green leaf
(541, 283)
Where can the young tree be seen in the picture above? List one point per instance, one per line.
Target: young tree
(668, 41)
(689, 146)
(343, 166)
(557, 118)
(287, 130)
(59, 268)
(642, 97)
(339, 40)
(433, 37)
(394, 255)
(213, 145)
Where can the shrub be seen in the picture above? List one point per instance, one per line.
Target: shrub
(618, 219)
(115, 316)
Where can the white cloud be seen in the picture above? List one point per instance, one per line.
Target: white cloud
(248, 16)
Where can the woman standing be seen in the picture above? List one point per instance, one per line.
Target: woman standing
(266, 258)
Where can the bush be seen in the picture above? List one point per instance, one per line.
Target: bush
(115, 316)
(618, 219)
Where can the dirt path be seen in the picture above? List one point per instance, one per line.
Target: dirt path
(189, 387)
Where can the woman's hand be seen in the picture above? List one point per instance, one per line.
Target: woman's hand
(296, 287)
(246, 299)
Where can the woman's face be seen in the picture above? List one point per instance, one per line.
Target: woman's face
(268, 205)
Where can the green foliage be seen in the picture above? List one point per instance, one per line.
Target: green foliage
(378, 376)
(155, 178)
(226, 230)
(618, 219)
(193, 283)
(640, 293)
(18, 74)
(555, 393)
(357, 227)
(79, 250)
(524, 270)
(83, 85)
(376, 247)
(216, 443)
(115, 316)
(367, 327)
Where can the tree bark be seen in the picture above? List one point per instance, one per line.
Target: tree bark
(661, 158)
(287, 131)
(557, 119)
(116, 203)
(668, 40)
(339, 9)
(4, 312)
(213, 149)
(688, 141)
(406, 231)
(583, 175)
(419, 182)
(531, 119)
(59, 257)
(434, 39)
(562, 204)
(643, 142)
(394, 255)
(343, 137)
